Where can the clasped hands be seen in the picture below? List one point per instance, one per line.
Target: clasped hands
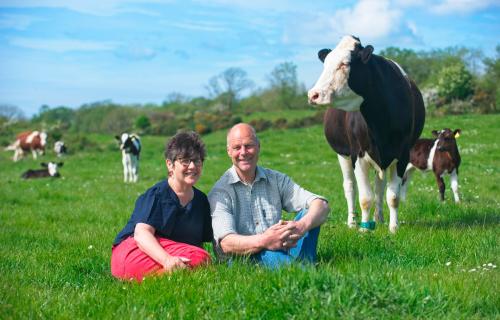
(284, 235)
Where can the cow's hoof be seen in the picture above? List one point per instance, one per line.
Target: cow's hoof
(393, 229)
(351, 225)
(364, 230)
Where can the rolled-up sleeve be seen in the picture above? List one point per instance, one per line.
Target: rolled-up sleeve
(293, 197)
(222, 218)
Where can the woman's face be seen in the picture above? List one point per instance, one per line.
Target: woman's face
(185, 170)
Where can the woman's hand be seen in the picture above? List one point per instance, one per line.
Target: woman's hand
(173, 263)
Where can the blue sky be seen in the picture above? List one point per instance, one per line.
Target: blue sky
(69, 52)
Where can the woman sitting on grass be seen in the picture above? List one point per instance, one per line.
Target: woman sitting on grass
(170, 221)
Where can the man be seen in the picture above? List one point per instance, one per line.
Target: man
(247, 202)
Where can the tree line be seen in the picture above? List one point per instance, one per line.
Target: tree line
(452, 80)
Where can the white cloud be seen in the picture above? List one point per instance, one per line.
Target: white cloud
(62, 45)
(462, 6)
(367, 19)
(15, 21)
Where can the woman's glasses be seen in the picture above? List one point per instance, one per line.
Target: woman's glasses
(185, 162)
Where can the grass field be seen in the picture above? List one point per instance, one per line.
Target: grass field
(56, 235)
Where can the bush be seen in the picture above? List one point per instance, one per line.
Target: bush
(455, 82)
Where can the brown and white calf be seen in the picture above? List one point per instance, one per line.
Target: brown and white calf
(439, 155)
(33, 141)
(130, 145)
(50, 171)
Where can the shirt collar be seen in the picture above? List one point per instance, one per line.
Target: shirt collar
(234, 178)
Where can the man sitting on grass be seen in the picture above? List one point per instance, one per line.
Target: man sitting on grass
(247, 202)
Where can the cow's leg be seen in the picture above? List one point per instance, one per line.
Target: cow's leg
(125, 167)
(406, 181)
(34, 153)
(361, 171)
(392, 197)
(349, 191)
(379, 197)
(454, 185)
(135, 168)
(441, 186)
(17, 154)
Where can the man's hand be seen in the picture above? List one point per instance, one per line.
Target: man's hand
(280, 236)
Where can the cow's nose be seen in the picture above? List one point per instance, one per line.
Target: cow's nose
(313, 96)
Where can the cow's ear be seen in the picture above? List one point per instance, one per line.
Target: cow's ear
(60, 164)
(365, 54)
(118, 138)
(435, 133)
(323, 53)
(43, 164)
(457, 133)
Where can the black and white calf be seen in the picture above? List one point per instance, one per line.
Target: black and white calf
(439, 155)
(130, 145)
(392, 107)
(60, 148)
(51, 170)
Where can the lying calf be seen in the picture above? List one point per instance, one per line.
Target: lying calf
(49, 171)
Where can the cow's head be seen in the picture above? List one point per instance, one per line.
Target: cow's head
(43, 139)
(446, 139)
(60, 147)
(52, 167)
(126, 141)
(338, 68)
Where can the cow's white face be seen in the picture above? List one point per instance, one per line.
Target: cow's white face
(52, 168)
(123, 140)
(43, 139)
(333, 79)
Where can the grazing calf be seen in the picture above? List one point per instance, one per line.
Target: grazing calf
(60, 148)
(392, 107)
(51, 170)
(130, 145)
(33, 141)
(439, 155)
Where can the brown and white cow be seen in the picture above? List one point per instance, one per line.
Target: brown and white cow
(439, 155)
(348, 135)
(27, 141)
(50, 171)
(392, 107)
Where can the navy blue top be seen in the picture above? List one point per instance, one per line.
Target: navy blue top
(160, 208)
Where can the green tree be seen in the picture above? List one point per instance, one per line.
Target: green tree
(142, 123)
(455, 82)
(228, 85)
(283, 79)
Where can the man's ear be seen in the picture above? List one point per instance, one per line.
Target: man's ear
(457, 133)
(365, 54)
(435, 133)
(323, 53)
(60, 164)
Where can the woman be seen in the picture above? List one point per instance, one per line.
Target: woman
(170, 221)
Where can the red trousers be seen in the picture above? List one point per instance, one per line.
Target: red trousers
(128, 262)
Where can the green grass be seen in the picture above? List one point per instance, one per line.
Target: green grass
(56, 237)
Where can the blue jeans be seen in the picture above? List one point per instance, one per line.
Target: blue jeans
(304, 251)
